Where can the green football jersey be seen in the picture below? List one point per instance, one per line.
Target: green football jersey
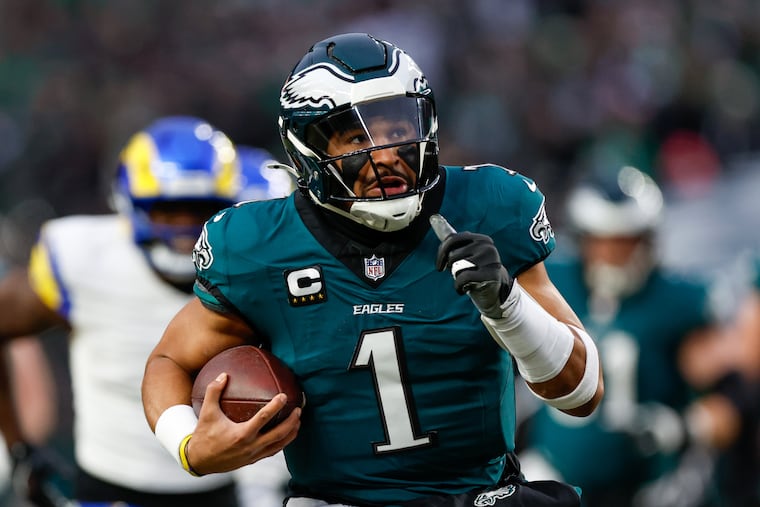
(638, 348)
(407, 394)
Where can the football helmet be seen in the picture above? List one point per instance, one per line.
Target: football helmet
(624, 209)
(175, 161)
(629, 204)
(262, 175)
(343, 86)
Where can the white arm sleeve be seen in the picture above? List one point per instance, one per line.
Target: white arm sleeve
(541, 345)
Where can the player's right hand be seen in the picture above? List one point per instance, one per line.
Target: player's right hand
(34, 469)
(475, 265)
(221, 445)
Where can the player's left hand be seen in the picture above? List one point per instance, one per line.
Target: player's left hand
(221, 445)
(475, 265)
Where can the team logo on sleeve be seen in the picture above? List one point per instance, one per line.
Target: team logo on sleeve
(306, 286)
(202, 256)
(541, 229)
(374, 267)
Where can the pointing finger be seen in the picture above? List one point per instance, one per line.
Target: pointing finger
(441, 226)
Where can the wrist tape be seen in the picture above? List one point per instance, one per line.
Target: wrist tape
(173, 427)
(541, 346)
(586, 388)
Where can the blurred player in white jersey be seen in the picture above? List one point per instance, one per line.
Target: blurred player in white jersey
(115, 281)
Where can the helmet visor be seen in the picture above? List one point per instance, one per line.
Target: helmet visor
(376, 150)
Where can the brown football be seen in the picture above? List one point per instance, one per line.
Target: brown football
(255, 376)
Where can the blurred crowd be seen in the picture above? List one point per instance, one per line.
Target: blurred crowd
(549, 88)
(555, 90)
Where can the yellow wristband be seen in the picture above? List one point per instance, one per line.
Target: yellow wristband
(183, 456)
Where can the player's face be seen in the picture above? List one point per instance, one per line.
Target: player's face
(611, 250)
(182, 221)
(390, 170)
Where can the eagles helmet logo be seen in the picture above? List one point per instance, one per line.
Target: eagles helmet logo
(324, 85)
(300, 91)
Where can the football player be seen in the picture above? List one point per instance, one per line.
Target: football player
(647, 323)
(408, 382)
(115, 281)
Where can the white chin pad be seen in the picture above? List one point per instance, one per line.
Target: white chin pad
(173, 265)
(387, 216)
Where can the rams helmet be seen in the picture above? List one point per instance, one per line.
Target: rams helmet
(176, 159)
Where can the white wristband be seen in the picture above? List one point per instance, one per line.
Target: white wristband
(540, 344)
(586, 388)
(173, 425)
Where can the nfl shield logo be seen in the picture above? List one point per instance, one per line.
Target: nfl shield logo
(374, 268)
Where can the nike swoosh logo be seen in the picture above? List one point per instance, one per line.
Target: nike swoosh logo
(219, 216)
(531, 185)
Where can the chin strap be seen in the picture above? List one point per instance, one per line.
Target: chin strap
(384, 216)
(388, 216)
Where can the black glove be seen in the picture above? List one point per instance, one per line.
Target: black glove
(33, 471)
(476, 266)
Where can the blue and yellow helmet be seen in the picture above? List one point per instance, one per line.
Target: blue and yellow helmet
(176, 158)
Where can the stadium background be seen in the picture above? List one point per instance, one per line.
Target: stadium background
(551, 89)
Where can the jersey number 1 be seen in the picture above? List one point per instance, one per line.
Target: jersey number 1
(380, 351)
